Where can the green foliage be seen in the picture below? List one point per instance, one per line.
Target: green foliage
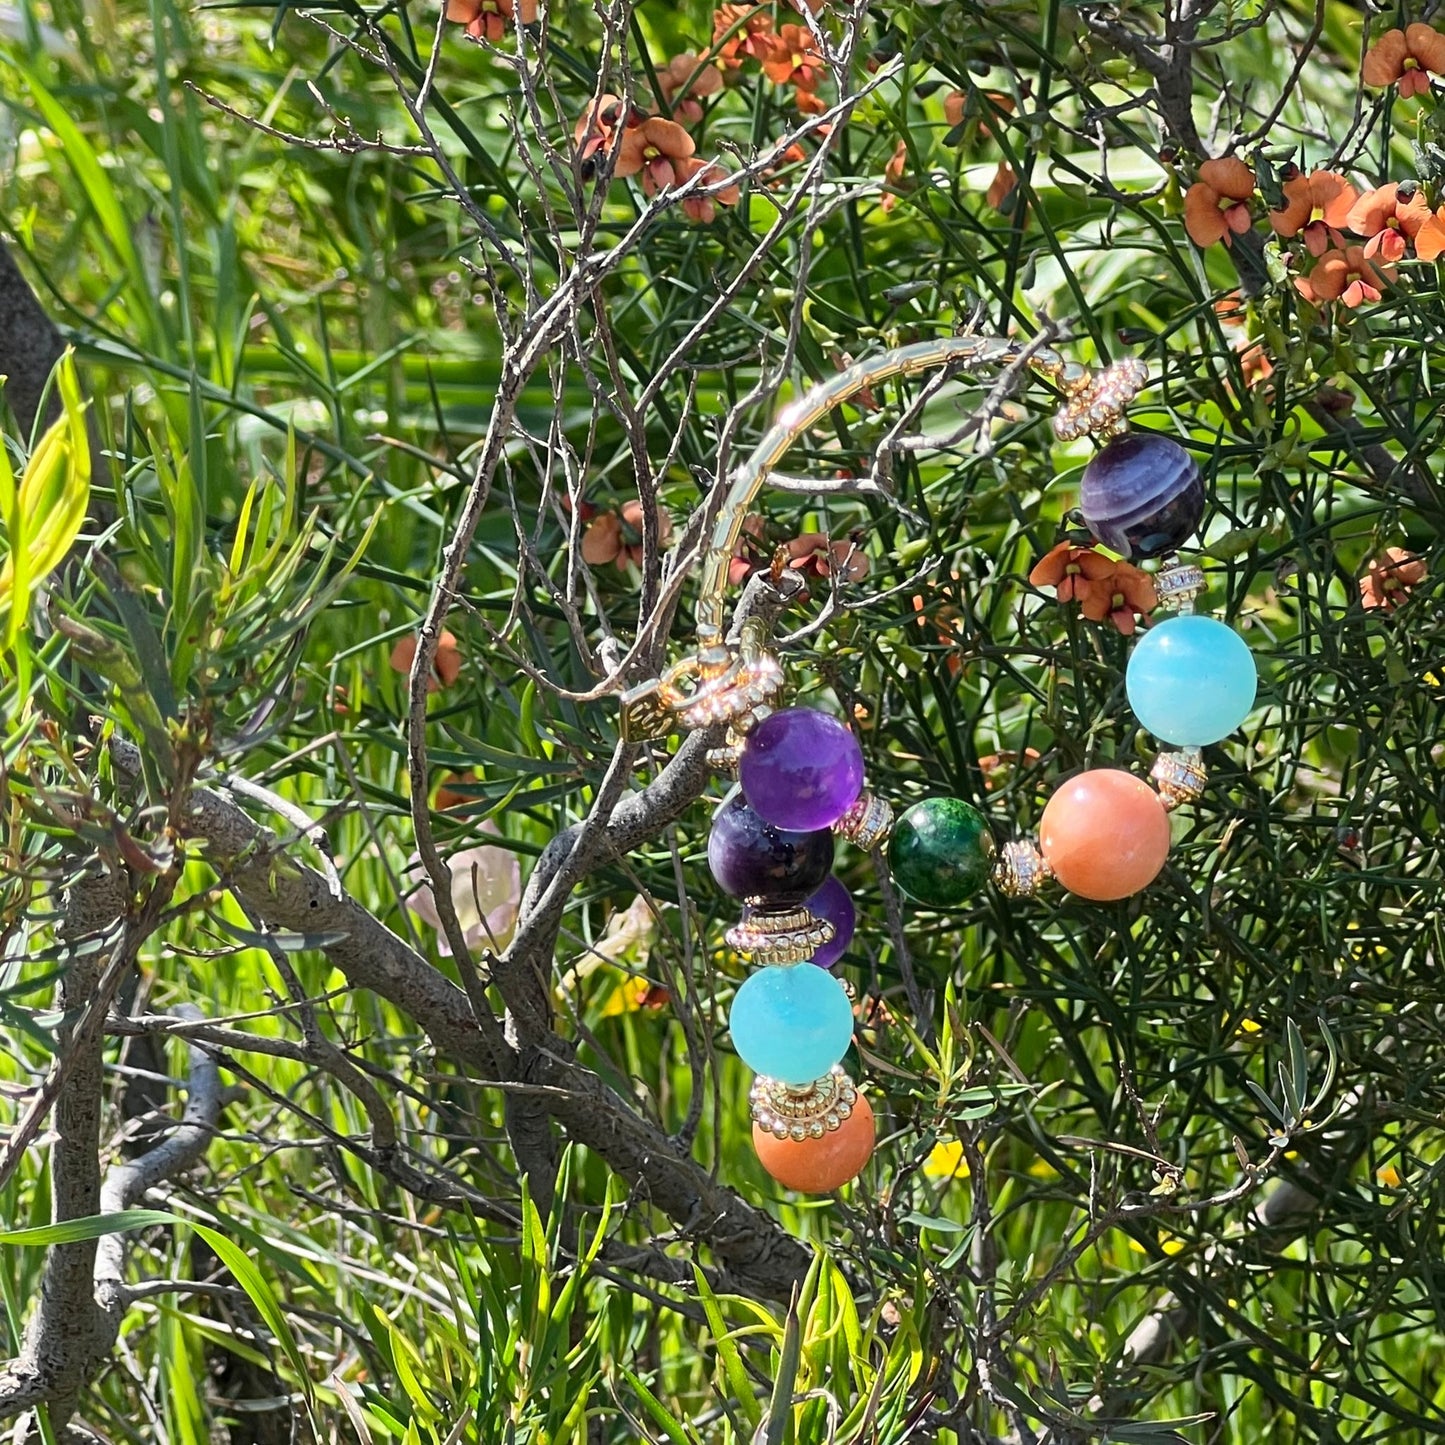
(293, 352)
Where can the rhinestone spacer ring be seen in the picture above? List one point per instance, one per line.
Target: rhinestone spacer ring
(803, 1113)
(868, 822)
(1177, 584)
(1179, 776)
(787, 936)
(1021, 869)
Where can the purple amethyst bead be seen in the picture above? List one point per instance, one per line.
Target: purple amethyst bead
(1142, 495)
(801, 769)
(753, 860)
(834, 903)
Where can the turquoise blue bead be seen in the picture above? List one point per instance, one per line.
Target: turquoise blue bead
(791, 1023)
(1191, 681)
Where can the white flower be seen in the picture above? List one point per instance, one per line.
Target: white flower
(486, 893)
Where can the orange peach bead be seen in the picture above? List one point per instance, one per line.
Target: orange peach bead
(1105, 834)
(818, 1166)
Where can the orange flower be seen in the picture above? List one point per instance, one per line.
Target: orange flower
(685, 81)
(956, 109)
(488, 19)
(459, 790)
(654, 148)
(893, 173)
(1229, 308)
(791, 58)
(813, 554)
(1216, 205)
(1104, 590)
(1317, 205)
(600, 122)
(1430, 238)
(1407, 56)
(745, 27)
(617, 537)
(749, 547)
(1390, 578)
(704, 208)
(1254, 362)
(1003, 185)
(446, 667)
(1388, 219)
(998, 769)
(1346, 276)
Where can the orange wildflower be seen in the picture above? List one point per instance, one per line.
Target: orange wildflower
(1346, 275)
(1390, 578)
(1216, 205)
(488, 19)
(1317, 206)
(1229, 308)
(1105, 591)
(893, 173)
(997, 769)
(1388, 219)
(704, 208)
(1003, 185)
(749, 548)
(459, 790)
(653, 149)
(446, 666)
(685, 81)
(600, 123)
(745, 27)
(1405, 56)
(790, 157)
(814, 554)
(1254, 361)
(791, 57)
(618, 536)
(956, 109)
(1430, 238)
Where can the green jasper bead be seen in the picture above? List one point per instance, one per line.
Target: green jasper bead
(941, 853)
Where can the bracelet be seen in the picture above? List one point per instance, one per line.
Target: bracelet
(1104, 833)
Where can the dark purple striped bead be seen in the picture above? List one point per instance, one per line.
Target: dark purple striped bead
(1142, 496)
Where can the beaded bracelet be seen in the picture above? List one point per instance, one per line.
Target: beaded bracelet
(1104, 834)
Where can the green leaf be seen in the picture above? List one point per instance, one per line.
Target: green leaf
(780, 1407)
(739, 1384)
(51, 504)
(662, 1417)
(267, 1306)
(93, 1226)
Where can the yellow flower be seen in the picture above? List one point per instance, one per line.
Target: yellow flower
(1389, 1176)
(946, 1161)
(1171, 1243)
(1248, 1026)
(632, 994)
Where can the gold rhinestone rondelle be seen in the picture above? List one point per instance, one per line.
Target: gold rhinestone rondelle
(1179, 776)
(867, 823)
(782, 936)
(1177, 584)
(1021, 869)
(815, 1109)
